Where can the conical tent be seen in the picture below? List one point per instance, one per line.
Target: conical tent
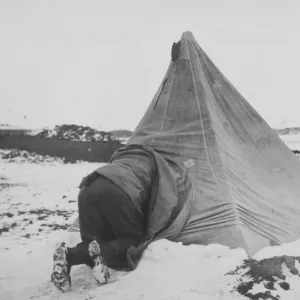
(245, 181)
(224, 176)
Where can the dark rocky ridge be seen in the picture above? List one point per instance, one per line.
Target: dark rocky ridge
(70, 142)
(290, 130)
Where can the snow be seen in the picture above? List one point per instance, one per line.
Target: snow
(123, 140)
(292, 141)
(286, 123)
(37, 131)
(11, 127)
(291, 249)
(71, 132)
(23, 156)
(39, 196)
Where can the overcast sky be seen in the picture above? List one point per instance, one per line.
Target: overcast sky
(100, 62)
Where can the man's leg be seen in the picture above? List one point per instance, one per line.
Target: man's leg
(125, 224)
(92, 222)
(91, 225)
(110, 223)
(107, 215)
(79, 255)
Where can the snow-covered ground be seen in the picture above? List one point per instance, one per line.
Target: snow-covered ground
(8, 127)
(38, 202)
(292, 140)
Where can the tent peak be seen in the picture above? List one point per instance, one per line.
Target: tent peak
(187, 35)
(179, 47)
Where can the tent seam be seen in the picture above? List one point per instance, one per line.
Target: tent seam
(158, 95)
(201, 120)
(165, 114)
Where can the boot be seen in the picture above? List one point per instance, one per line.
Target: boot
(61, 269)
(100, 271)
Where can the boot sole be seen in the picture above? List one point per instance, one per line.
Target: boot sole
(60, 276)
(100, 271)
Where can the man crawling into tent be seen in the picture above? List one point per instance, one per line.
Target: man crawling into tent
(202, 167)
(112, 206)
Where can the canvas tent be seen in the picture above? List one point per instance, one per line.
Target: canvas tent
(224, 176)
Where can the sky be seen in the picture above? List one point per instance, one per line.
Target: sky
(99, 63)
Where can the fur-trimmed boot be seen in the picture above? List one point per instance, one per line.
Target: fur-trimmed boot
(100, 271)
(61, 270)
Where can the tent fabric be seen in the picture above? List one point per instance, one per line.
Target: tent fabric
(132, 171)
(225, 172)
